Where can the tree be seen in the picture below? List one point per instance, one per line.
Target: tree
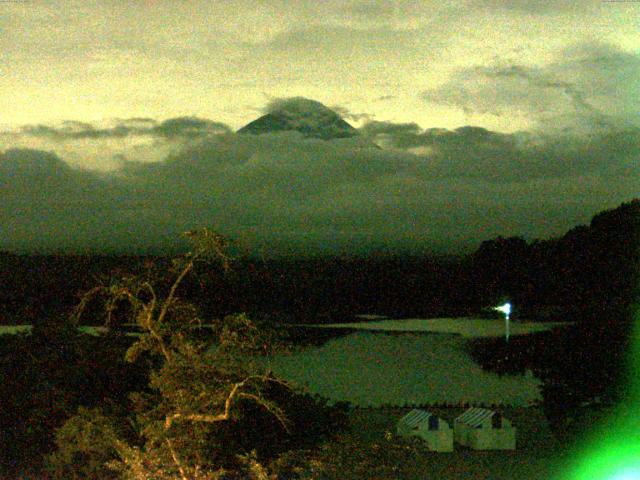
(184, 424)
(47, 374)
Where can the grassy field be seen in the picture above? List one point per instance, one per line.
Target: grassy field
(15, 329)
(406, 363)
(371, 451)
(377, 369)
(466, 326)
(425, 361)
(393, 368)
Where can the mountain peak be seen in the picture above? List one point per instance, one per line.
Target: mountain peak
(309, 117)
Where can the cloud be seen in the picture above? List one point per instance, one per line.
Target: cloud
(390, 128)
(533, 7)
(353, 46)
(77, 130)
(344, 112)
(295, 106)
(588, 86)
(108, 145)
(190, 127)
(376, 10)
(433, 188)
(400, 14)
(478, 153)
(389, 133)
(180, 127)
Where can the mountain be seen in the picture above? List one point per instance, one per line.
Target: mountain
(309, 117)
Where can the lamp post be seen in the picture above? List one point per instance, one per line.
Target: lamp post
(506, 309)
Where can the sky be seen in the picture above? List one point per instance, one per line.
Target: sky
(494, 117)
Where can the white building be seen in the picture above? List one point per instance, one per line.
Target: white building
(482, 429)
(433, 430)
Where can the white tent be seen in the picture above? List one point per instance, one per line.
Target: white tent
(433, 430)
(482, 429)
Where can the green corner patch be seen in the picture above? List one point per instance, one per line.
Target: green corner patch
(616, 458)
(613, 451)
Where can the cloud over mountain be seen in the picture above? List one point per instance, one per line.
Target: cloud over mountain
(309, 117)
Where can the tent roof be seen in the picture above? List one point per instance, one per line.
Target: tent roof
(416, 417)
(475, 416)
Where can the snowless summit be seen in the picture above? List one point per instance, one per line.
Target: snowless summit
(309, 117)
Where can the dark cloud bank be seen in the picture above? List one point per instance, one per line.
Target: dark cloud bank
(433, 189)
(180, 127)
(138, 183)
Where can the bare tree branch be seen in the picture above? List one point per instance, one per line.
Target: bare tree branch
(170, 298)
(208, 418)
(86, 298)
(236, 391)
(176, 460)
(270, 407)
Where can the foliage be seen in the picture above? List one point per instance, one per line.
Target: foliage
(350, 457)
(205, 402)
(46, 375)
(85, 446)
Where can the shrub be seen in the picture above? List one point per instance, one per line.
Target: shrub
(210, 409)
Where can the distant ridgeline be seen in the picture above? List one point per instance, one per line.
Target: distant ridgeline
(590, 267)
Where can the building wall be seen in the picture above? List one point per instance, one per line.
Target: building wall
(438, 441)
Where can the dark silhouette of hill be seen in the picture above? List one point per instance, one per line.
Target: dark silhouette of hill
(590, 265)
(588, 268)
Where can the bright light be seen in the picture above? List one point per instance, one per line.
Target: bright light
(506, 309)
(617, 458)
(628, 474)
